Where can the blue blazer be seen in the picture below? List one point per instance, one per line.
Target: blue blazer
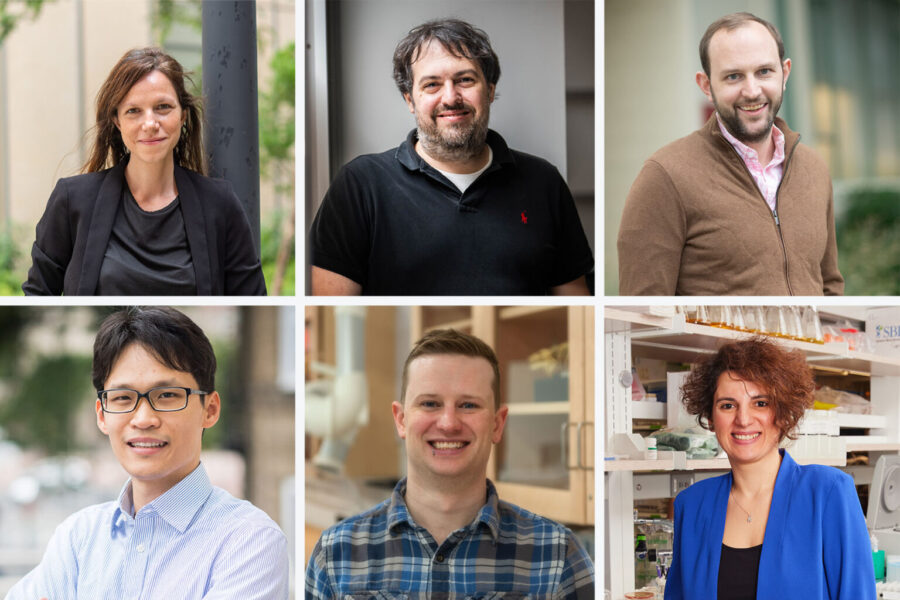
(816, 544)
(72, 236)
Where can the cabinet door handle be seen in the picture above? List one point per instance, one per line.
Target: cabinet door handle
(578, 427)
(564, 444)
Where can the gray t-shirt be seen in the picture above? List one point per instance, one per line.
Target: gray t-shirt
(148, 253)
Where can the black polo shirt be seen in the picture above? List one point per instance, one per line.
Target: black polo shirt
(397, 226)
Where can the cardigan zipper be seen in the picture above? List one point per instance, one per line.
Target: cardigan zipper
(781, 239)
(784, 171)
(774, 212)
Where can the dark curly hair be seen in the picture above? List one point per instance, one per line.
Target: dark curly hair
(783, 374)
(457, 37)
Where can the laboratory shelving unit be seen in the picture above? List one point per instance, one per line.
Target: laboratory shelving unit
(669, 337)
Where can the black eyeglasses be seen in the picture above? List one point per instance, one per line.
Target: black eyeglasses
(161, 399)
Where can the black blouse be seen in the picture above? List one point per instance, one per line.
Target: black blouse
(738, 572)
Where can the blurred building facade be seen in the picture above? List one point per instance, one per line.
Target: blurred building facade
(843, 94)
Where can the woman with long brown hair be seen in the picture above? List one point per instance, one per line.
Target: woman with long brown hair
(143, 218)
(769, 528)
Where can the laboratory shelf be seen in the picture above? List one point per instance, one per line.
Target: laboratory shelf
(673, 339)
(856, 421)
(873, 447)
(648, 410)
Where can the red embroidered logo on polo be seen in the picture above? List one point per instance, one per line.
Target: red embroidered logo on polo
(524, 218)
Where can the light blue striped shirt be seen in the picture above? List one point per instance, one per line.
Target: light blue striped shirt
(194, 541)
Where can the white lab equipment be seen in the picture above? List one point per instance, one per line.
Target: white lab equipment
(336, 408)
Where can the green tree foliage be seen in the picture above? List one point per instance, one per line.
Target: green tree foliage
(12, 322)
(166, 13)
(12, 267)
(42, 392)
(276, 233)
(276, 154)
(12, 12)
(276, 112)
(869, 244)
(39, 413)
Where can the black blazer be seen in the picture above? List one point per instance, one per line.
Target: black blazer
(72, 236)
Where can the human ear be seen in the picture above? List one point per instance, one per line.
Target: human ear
(703, 83)
(211, 410)
(101, 418)
(786, 68)
(409, 103)
(499, 424)
(399, 419)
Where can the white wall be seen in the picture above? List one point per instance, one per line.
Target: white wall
(650, 97)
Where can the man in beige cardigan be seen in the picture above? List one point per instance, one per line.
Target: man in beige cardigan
(738, 207)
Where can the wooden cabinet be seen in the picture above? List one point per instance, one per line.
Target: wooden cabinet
(545, 462)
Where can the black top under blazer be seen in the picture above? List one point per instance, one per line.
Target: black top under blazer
(72, 236)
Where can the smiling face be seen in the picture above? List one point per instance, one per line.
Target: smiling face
(746, 80)
(150, 119)
(451, 101)
(448, 418)
(743, 420)
(158, 449)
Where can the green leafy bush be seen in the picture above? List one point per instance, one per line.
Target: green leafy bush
(868, 239)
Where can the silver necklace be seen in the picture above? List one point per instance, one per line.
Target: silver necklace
(749, 517)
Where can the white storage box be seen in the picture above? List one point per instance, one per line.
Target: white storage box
(819, 422)
(883, 329)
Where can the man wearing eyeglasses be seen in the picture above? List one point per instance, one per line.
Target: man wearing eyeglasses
(170, 534)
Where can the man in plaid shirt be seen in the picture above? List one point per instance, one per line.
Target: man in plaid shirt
(444, 533)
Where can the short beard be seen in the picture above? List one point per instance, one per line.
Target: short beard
(455, 143)
(735, 126)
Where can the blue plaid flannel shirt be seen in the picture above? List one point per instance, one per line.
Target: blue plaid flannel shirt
(505, 552)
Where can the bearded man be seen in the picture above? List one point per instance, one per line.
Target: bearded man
(452, 210)
(739, 207)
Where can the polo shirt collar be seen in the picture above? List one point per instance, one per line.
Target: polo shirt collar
(409, 158)
(178, 506)
(489, 514)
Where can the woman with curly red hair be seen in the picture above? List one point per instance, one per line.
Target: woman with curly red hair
(769, 528)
